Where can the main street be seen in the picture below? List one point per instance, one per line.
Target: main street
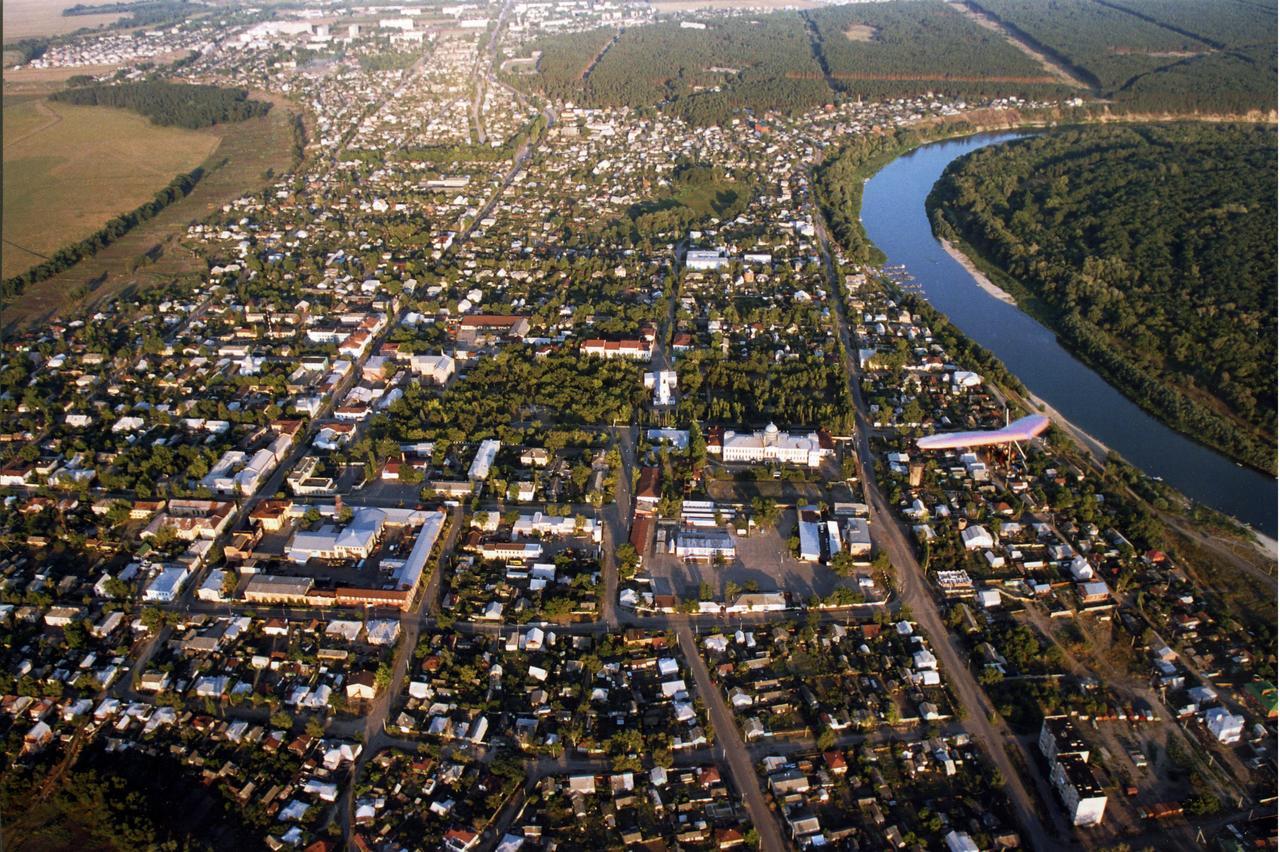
(980, 720)
(374, 733)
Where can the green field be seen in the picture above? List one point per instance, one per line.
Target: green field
(698, 194)
(67, 170)
(153, 253)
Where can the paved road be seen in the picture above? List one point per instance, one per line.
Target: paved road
(735, 753)
(374, 733)
(914, 592)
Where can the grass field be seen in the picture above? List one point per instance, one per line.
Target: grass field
(26, 18)
(152, 253)
(69, 169)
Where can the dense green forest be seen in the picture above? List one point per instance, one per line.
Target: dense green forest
(761, 63)
(1149, 55)
(170, 104)
(899, 48)
(804, 392)
(565, 59)
(1151, 250)
(1160, 55)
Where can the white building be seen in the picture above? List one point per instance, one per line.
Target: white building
(705, 544)
(167, 585)
(636, 350)
(976, 538)
(857, 537)
(526, 526)
(810, 541)
(771, 445)
(704, 259)
(1081, 794)
(1225, 727)
(437, 368)
(483, 461)
(663, 384)
(354, 541)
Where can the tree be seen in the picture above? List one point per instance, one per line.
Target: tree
(826, 739)
(164, 537)
(628, 560)
(697, 444)
(75, 634)
(154, 618)
(382, 677)
(766, 511)
(230, 580)
(281, 719)
(843, 563)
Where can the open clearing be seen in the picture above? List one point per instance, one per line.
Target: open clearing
(860, 32)
(68, 169)
(27, 18)
(1060, 72)
(152, 253)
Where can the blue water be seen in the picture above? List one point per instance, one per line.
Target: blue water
(893, 213)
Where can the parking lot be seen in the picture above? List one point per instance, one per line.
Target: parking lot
(763, 559)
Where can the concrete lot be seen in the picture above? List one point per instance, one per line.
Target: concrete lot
(762, 558)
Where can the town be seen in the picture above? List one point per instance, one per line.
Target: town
(528, 475)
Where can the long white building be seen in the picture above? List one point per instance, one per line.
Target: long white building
(770, 445)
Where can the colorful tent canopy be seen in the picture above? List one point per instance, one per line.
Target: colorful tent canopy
(1022, 429)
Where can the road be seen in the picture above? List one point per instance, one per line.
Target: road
(617, 523)
(914, 592)
(374, 732)
(734, 751)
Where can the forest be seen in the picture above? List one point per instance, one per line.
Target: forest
(895, 49)
(802, 392)
(1157, 55)
(170, 104)
(565, 59)
(1139, 55)
(1151, 251)
(762, 63)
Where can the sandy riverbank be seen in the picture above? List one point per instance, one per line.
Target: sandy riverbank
(983, 281)
(1095, 447)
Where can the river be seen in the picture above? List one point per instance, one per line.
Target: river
(893, 212)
